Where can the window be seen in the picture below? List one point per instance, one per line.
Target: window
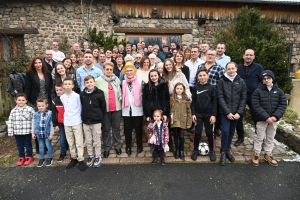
(153, 39)
(10, 46)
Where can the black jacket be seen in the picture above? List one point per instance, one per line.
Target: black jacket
(204, 102)
(253, 78)
(49, 67)
(93, 106)
(157, 98)
(267, 103)
(186, 71)
(232, 95)
(32, 86)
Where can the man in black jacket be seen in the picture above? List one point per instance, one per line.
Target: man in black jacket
(49, 61)
(251, 73)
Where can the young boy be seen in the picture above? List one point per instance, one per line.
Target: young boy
(269, 105)
(19, 124)
(93, 107)
(204, 111)
(58, 120)
(42, 130)
(73, 124)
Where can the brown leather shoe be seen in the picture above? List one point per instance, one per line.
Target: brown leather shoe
(270, 160)
(255, 159)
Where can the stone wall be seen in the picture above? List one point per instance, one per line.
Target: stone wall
(53, 20)
(56, 20)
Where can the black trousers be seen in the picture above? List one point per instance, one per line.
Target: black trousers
(179, 138)
(240, 125)
(136, 123)
(208, 131)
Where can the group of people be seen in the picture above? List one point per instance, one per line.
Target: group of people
(84, 96)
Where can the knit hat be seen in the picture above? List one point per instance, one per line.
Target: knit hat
(268, 73)
(129, 64)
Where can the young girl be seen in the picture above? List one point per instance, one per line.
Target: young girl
(232, 100)
(42, 129)
(21, 114)
(158, 136)
(73, 60)
(156, 96)
(181, 117)
(204, 111)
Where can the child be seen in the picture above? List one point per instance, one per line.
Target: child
(269, 105)
(93, 108)
(58, 120)
(42, 130)
(232, 100)
(19, 124)
(159, 129)
(73, 124)
(204, 111)
(181, 117)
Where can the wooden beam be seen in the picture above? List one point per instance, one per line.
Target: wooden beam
(18, 31)
(154, 30)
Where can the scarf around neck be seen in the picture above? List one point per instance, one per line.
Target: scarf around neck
(136, 91)
(113, 80)
(231, 78)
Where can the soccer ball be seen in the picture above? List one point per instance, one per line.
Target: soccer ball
(203, 148)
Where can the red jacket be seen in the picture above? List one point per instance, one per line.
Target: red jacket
(57, 112)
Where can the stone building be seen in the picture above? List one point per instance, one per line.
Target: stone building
(36, 23)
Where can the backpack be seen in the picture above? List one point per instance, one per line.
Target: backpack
(16, 83)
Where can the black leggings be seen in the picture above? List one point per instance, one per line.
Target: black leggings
(208, 131)
(179, 138)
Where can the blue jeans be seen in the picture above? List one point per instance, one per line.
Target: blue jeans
(63, 140)
(158, 151)
(42, 142)
(24, 141)
(228, 128)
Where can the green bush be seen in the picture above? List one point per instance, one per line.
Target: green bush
(98, 39)
(249, 30)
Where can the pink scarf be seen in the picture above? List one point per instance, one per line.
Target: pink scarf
(136, 87)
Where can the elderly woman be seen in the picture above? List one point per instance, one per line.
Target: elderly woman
(173, 76)
(132, 107)
(120, 63)
(110, 85)
(144, 69)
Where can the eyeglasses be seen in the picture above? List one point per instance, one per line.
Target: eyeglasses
(109, 70)
(269, 78)
(128, 71)
(138, 57)
(210, 54)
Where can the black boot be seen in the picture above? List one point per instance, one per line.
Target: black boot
(154, 161)
(162, 161)
(182, 155)
(229, 156)
(170, 143)
(177, 154)
(223, 158)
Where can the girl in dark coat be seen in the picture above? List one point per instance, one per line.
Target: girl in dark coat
(232, 100)
(156, 96)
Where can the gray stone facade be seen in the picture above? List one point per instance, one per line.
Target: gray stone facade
(57, 19)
